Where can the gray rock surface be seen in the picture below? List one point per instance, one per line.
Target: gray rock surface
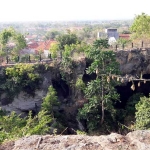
(23, 103)
(134, 61)
(137, 140)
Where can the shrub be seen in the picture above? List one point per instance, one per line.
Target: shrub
(21, 77)
(13, 126)
(142, 114)
(50, 100)
(80, 84)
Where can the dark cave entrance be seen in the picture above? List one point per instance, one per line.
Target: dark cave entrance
(123, 90)
(61, 87)
(88, 77)
(126, 92)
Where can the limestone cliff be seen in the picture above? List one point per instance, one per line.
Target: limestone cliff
(132, 62)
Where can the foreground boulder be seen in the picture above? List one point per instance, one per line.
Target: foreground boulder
(137, 140)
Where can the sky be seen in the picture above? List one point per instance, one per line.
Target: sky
(70, 10)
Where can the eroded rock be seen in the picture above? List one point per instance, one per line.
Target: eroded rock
(137, 140)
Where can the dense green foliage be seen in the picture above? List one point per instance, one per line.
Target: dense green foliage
(50, 105)
(10, 35)
(101, 43)
(131, 103)
(54, 50)
(67, 39)
(142, 114)
(22, 77)
(51, 35)
(20, 42)
(98, 113)
(100, 92)
(38, 124)
(13, 126)
(141, 26)
(80, 85)
(50, 100)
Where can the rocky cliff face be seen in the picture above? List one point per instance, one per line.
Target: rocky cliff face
(137, 140)
(132, 62)
(23, 102)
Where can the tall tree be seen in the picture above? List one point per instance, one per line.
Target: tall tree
(4, 37)
(20, 42)
(50, 100)
(100, 92)
(67, 39)
(10, 35)
(54, 50)
(141, 26)
(51, 35)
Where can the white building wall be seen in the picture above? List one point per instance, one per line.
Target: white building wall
(46, 53)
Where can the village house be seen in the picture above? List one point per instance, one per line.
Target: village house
(30, 49)
(44, 47)
(38, 47)
(109, 33)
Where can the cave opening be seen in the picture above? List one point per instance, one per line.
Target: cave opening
(126, 92)
(88, 77)
(61, 87)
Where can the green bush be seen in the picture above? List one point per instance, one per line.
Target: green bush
(81, 132)
(37, 125)
(21, 77)
(13, 126)
(10, 126)
(133, 100)
(142, 114)
(50, 100)
(80, 84)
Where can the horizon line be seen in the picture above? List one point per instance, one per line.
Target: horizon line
(80, 20)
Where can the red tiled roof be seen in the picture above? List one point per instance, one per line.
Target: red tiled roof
(45, 45)
(124, 36)
(32, 45)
